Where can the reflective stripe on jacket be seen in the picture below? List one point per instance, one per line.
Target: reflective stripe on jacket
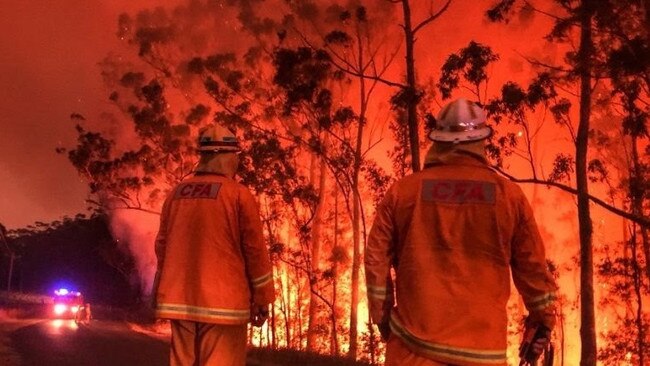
(454, 234)
(212, 259)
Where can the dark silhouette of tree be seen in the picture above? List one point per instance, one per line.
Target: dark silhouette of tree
(410, 95)
(276, 91)
(77, 252)
(9, 253)
(627, 342)
(285, 88)
(591, 24)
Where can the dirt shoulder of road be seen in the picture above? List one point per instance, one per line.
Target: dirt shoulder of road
(8, 324)
(17, 310)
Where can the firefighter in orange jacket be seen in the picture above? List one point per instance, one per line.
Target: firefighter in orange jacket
(453, 233)
(214, 274)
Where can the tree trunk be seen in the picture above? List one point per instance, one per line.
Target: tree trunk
(636, 195)
(356, 268)
(286, 311)
(587, 317)
(411, 88)
(317, 228)
(274, 331)
(356, 208)
(562, 339)
(3, 239)
(299, 311)
(11, 270)
(334, 343)
(356, 229)
(637, 278)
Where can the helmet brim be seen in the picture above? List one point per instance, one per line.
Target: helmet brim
(463, 136)
(223, 149)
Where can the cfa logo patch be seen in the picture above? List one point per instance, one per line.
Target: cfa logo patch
(458, 191)
(197, 190)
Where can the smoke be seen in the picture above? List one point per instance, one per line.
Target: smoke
(136, 231)
(189, 30)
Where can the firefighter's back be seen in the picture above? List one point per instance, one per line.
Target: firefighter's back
(454, 222)
(204, 276)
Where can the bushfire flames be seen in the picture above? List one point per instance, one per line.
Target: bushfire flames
(288, 325)
(319, 164)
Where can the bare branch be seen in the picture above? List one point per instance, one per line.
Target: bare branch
(369, 77)
(536, 62)
(348, 67)
(553, 16)
(431, 18)
(640, 220)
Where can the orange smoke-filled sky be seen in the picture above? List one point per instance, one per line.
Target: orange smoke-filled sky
(48, 69)
(49, 54)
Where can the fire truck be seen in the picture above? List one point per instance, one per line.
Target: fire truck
(66, 304)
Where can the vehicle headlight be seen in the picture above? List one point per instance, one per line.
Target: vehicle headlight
(60, 309)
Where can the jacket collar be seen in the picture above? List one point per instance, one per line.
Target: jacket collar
(200, 174)
(460, 157)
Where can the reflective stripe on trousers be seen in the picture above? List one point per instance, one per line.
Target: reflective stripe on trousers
(397, 354)
(464, 356)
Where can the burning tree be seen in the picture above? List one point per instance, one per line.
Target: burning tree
(306, 84)
(602, 31)
(280, 93)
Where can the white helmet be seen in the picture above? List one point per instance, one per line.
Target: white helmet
(216, 138)
(460, 121)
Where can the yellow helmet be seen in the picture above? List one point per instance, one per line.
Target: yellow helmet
(217, 138)
(460, 121)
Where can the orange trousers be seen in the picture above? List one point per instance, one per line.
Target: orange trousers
(397, 354)
(205, 344)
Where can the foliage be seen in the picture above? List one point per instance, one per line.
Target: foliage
(285, 85)
(626, 286)
(126, 178)
(282, 96)
(548, 91)
(75, 251)
(470, 63)
(604, 29)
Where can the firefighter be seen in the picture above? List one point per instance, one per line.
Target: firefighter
(214, 274)
(83, 314)
(452, 234)
(87, 313)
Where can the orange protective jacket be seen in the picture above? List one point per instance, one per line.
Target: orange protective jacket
(453, 233)
(212, 259)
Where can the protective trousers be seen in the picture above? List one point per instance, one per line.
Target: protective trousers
(205, 344)
(397, 354)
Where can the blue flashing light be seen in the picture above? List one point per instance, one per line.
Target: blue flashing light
(62, 292)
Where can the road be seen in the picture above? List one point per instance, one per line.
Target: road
(63, 343)
(47, 342)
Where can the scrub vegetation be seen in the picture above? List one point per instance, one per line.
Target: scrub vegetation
(331, 105)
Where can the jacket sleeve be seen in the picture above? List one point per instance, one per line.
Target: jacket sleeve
(258, 264)
(530, 270)
(378, 260)
(160, 246)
